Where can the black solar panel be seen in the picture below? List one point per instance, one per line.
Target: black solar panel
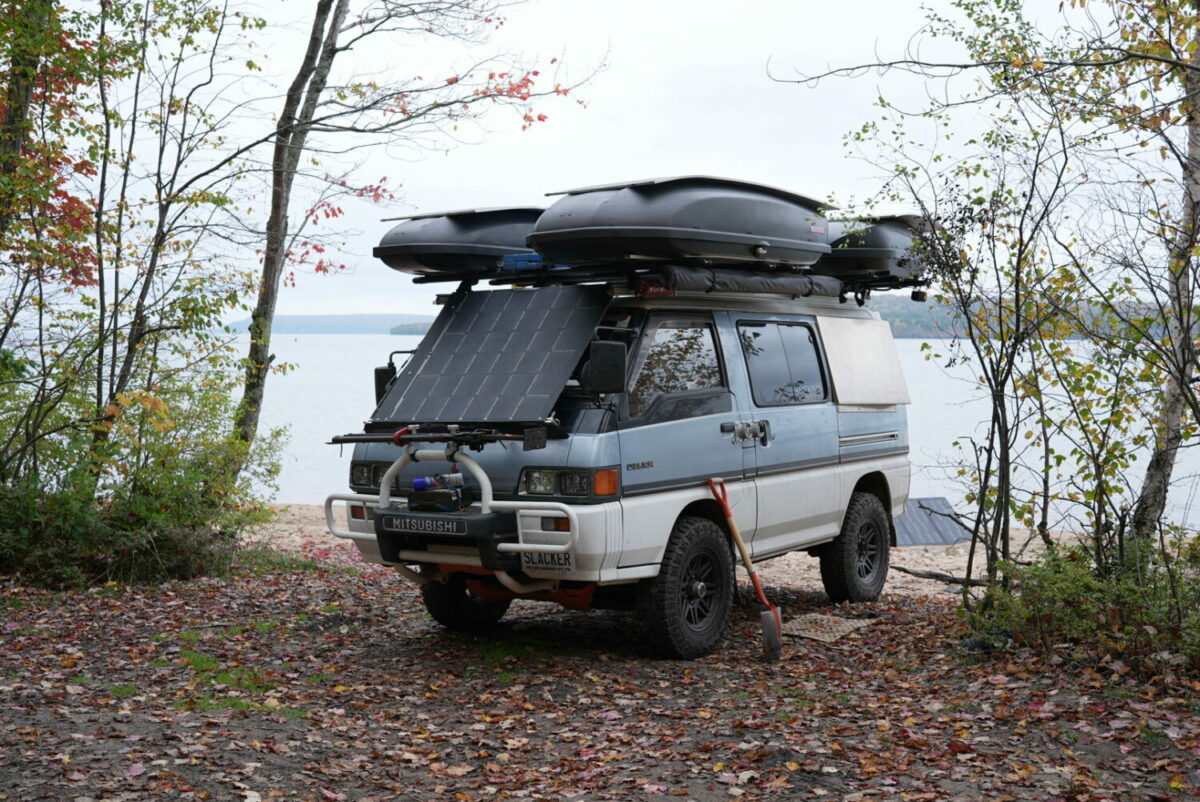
(927, 522)
(496, 357)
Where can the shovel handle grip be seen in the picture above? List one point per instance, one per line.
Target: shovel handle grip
(721, 494)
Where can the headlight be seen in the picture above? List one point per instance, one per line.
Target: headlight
(540, 483)
(360, 473)
(568, 482)
(574, 483)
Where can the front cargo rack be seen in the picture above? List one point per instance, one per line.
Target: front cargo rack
(531, 437)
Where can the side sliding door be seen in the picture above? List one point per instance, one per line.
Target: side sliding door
(797, 449)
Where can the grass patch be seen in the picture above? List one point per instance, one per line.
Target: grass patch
(319, 678)
(219, 687)
(123, 690)
(264, 626)
(190, 636)
(245, 679)
(263, 561)
(500, 651)
(199, 662)
(1153, 736)
(80, 679)
(208, 701)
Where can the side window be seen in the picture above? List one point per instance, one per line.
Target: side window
(783, 363)
(801, 348)
(677, 355)
(770, 379)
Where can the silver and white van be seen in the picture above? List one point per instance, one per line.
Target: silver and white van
(553, 435)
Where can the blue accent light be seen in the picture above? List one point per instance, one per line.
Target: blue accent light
(524, 261)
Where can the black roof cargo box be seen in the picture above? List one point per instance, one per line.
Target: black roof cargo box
(463, 242)
(682, 219)
(877, 249)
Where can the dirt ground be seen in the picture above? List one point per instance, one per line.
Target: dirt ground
(307, 675)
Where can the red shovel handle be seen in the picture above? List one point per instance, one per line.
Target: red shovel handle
(721, 494)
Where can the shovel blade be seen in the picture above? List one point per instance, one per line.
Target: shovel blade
(772, 637)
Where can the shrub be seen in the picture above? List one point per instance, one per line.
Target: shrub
(66, 540)
(178, 518)
(1148, 605)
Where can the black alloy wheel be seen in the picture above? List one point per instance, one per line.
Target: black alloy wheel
(689, 603)
(854, 566)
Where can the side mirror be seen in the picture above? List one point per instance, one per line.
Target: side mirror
(605, 369)
(383, 377)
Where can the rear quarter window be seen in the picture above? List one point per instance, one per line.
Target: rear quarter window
(783, 363)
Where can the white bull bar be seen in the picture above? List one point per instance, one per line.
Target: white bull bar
(525, 510)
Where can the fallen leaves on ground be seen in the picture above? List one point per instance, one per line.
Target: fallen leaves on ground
(333, 684)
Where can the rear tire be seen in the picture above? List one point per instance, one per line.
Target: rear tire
(689, 603)
(452, 606)
(855, 565)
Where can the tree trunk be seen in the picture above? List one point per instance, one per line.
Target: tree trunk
(29, 40)
(1168, 434)
(291, 134)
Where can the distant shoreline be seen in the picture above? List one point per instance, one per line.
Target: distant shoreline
(909, 319)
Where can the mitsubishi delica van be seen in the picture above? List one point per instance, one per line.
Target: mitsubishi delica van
(596, 364)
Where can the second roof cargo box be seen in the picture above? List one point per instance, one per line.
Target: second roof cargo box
(682, 219)
(466, 242)
(879, 249)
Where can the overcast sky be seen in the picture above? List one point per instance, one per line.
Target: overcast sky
(684, 90)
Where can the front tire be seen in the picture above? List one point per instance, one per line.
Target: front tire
(452, 606)
(689, 603)
(855, 565)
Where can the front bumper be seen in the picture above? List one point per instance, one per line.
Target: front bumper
(399, 531)
(585, 547)
(592, 545)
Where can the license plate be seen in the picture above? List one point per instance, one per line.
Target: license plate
(547, 563)
(425, 526)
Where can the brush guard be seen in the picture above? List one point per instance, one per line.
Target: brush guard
(528, 514)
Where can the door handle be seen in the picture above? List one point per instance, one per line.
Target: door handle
(764, 432)
(727, 427)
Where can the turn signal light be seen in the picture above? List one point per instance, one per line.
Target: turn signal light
(358, 512)
(605, 482)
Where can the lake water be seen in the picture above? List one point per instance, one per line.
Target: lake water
(332, 389)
